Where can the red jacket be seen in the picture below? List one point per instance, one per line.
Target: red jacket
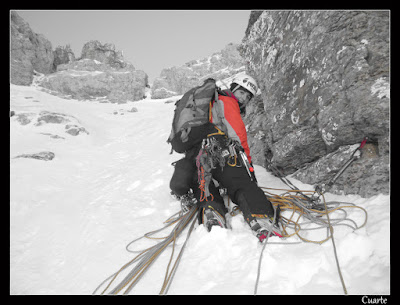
(226, 115)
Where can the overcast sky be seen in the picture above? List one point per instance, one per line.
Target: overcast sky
(150, 40)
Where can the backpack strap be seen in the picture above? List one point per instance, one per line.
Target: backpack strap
(226, 92)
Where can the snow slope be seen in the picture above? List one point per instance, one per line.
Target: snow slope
(71, 217)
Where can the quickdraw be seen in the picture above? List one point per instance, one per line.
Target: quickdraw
(204, 174)
(216, 150)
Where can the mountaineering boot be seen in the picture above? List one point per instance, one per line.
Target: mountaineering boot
(259, 222)
(262, 226)
(187, 200)
(212, 218)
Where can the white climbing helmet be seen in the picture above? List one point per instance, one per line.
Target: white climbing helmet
(245, 81)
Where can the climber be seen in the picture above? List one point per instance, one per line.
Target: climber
(213, 162)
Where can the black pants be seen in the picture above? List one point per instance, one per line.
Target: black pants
(241, 189)
(244, 192)
(185, 177)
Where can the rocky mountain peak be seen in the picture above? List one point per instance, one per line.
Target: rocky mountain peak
(104, 53)
(219, 65)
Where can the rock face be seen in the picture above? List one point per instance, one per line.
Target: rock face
(100, 74)
(105, 54)
(63, 55)
(177, 80)
(29, 51)
(324, 78)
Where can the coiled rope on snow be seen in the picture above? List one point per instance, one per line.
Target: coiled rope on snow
(301, 208)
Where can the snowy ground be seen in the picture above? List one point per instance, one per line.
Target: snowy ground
(71, 217)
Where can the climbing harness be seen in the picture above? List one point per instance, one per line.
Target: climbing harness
(209, 156)
(216, 150)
